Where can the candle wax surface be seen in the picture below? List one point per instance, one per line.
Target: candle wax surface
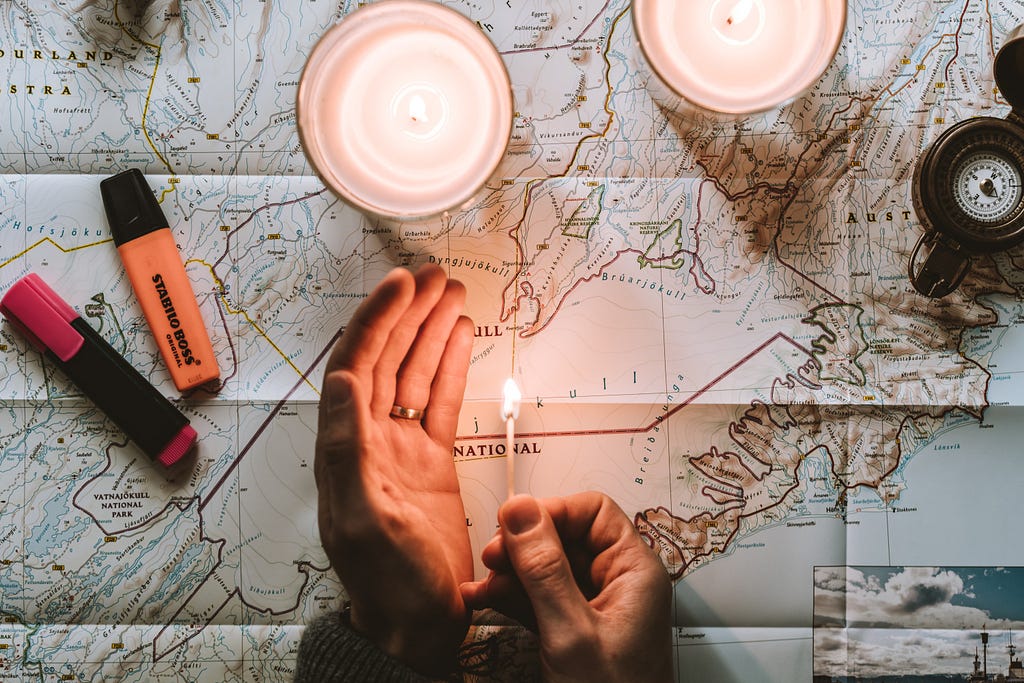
(409, 114)
(738, 56)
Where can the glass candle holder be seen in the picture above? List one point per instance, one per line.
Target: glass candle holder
(404, 109)
(734, 58)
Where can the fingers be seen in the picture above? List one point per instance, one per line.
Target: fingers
(607, 535)
(420, 363)
(537, 556)
(449, 383)
(502, 592)
(592, 518)
(404, 337)
(588, 519)
(369, 329)
(598, 540)
(430, 285)
(343, 412)
(337, 435)
(494, 556)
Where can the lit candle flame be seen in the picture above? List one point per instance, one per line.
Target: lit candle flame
(738, 22)
(740, 11)
(512, 397)
(418, 109)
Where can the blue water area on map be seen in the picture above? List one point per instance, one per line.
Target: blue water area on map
(961, 490)
(777, 593)
(53, 533)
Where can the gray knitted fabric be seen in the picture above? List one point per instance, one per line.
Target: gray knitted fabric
(331, 652)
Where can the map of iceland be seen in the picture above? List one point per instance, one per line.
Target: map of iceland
(711, 320)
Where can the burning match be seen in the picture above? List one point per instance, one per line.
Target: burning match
(509, 413)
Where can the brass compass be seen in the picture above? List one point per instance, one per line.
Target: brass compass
(968, 187)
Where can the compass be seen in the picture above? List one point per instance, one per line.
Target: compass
(968, 186)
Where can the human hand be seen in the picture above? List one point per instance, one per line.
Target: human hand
(389, 510)
(576, 570)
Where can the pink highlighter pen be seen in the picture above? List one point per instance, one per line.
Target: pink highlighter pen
(70, 343)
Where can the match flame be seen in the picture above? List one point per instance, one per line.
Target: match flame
(512, 397)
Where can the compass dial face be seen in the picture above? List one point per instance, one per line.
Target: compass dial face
(987, 186)
(968, 185)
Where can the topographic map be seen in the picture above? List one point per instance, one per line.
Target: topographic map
(711, 321)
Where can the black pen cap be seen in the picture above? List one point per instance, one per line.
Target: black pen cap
(132, 209)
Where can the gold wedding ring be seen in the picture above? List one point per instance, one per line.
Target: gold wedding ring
(407, 413)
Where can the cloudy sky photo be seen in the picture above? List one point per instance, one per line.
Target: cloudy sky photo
(872, 621)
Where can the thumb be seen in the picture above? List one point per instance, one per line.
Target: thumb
(338, 430)
(538, 558)
(335, 395)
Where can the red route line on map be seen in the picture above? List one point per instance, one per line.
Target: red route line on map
(658, 420)
(270, 417)
(306, 567)
(182, 504)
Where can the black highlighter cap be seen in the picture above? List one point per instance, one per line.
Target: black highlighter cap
(132, 209)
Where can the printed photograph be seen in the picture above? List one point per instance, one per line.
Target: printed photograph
(918, 624)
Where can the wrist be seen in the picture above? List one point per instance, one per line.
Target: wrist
(422, 645)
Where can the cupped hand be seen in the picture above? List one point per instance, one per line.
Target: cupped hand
(390, 514)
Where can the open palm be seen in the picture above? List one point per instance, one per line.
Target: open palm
(390, 514)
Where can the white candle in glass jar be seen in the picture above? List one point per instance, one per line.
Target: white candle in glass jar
(405, 109)
(737, 57)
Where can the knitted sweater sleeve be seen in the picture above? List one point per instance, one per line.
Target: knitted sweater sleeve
(331, 652)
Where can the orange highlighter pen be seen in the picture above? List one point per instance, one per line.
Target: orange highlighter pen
(158, 277)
